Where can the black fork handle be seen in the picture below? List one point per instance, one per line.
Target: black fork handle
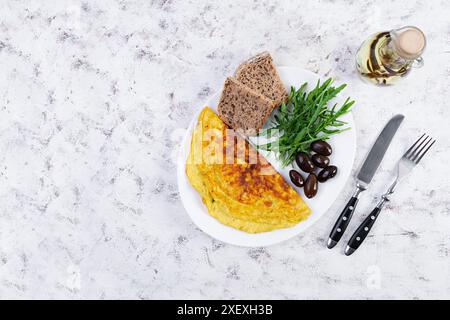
(361, 233)
(363, 230)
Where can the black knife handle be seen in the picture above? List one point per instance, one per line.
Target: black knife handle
(362, 231)
(342, 222)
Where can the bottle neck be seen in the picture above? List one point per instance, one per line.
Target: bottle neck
(409, 42)
(390, 56)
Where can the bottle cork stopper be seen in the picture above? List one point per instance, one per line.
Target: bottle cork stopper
(411, 43)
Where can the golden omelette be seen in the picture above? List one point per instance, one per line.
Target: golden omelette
(238, 186)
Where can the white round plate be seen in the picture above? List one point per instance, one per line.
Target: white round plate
(344, 145)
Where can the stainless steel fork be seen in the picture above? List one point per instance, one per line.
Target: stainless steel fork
(404, 166)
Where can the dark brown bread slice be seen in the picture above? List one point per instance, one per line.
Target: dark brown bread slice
(242, 108)
(259, 73)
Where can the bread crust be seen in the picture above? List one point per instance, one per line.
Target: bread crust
(243, 108)
(259, 73)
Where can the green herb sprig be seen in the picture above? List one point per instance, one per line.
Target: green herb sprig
(305, 118)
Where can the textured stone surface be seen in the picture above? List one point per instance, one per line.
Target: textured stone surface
(94, 97)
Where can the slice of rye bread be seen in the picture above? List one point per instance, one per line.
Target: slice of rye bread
(242, 108)
(260, 74)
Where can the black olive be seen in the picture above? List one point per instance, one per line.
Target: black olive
(320, 160)
(296, 178)
(327, 173)
(323, 175)
(321, 147)
(333, 170)
(304, 162)
(310, 187)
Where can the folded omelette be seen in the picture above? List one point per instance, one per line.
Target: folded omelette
(238, 186)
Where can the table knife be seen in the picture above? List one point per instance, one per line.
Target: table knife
(365, 175)
(404, 166)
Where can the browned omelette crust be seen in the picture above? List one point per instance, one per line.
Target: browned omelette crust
(244, 192)
(248, 183)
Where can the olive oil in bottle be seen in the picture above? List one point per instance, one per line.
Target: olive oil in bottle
(388, 56)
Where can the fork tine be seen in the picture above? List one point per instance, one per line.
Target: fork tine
(418, 149)
(414, 151)
(417, 161)
(407, 153)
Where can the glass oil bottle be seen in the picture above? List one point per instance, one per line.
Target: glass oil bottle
(385, 57)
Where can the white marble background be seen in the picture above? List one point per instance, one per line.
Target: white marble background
(93, 97)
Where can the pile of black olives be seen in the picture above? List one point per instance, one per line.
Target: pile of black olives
(319, 161)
